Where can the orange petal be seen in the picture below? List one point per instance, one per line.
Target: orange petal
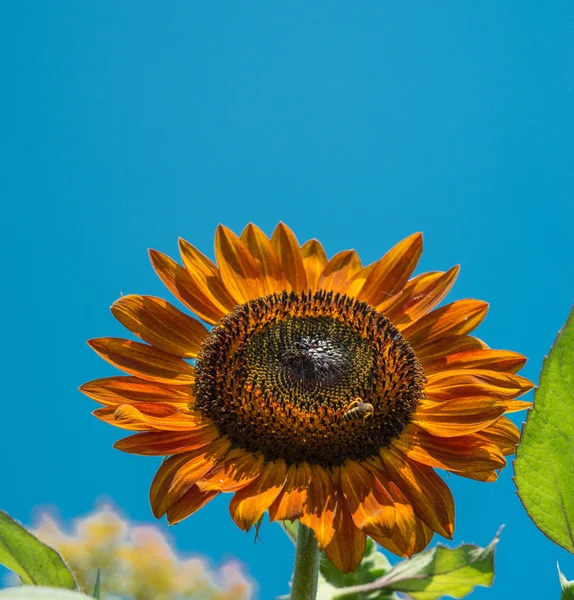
(179, 282)
(250, 503)
(461, 416)
(410, 535)
(107, 415)
(438, 349)
(370, 505)
(126, 389)
(319, 510)
(347, 547)
(516, 405)
(424, 489)
(238, 470)
(423, 535)
(289, 253)
(339, 270)
(240, 273)
(179, 473)
(160, 324)
(266, 258)
(190, 502)
(144, 361)
(145, 417)
(353, 287)
(492, 360)
(392, 272)
(525, 384)
(164, 443)
(466, 453)
(206, 277)
(289, 504)
(457, 318)
(503, 433)
(475, 382)
(484, 476)
(418, 297)
(314, 261)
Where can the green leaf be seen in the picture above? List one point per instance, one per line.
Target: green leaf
(374, 564)
(33, 561)
(96, 592)
(544, 459)
(444, 571)
(39, 593)
(567, 586)
(433, 574)
(429, 575)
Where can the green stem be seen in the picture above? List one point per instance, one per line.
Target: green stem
(306, 571)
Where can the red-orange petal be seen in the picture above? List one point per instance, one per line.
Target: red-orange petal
(339, 270)
(314, 261)
(144, 361)
(465, 453)
(289, 253)
(266, 258)
(179, 473)
(320, 508)
(159, 416)
(457, 318)
(206, 278)
(160, 324)
(392, 272)
(237, 471)
(346, 548)
(126, 389)
(455, 383)
(179, 282)
(241, 275)
(492, 360)
(250, 503)
(452, 344)
(418, 297)
(190, 502)
(372, 508)
(289, 504)
(460, 416)
(425, 490)
(410, 534)
(164, 443)
(148, 416)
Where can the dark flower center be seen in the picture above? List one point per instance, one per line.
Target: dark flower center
(313, 377)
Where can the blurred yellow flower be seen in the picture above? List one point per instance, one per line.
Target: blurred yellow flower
(137, 562)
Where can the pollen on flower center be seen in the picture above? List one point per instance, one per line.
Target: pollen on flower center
(311, 377)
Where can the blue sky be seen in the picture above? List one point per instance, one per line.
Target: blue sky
(128, 124)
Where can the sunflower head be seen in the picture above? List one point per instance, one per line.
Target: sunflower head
(325, 390)
(281, 375)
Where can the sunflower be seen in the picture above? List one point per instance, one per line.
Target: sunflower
(325, 391)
